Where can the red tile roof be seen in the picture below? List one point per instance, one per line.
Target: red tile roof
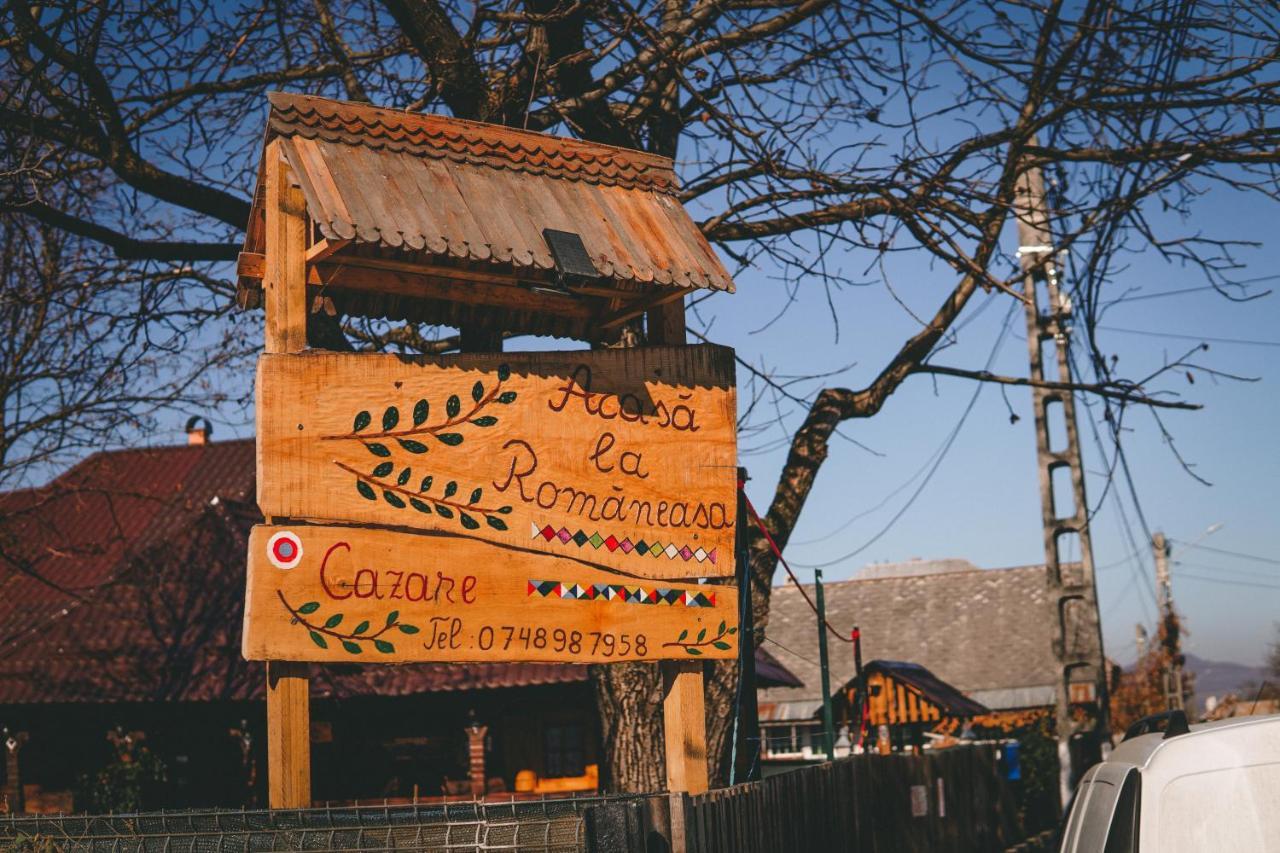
(123, 581)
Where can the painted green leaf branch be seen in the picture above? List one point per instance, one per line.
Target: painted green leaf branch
(321, 632)
(702, 641)
(444, 432)
(397, 493)
(378, 485)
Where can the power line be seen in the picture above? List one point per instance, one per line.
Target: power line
(1230, 582)
(1125, 300)
(1265, 575)
(1201, 338)
(1225, 552)
(791, 652)
(955, 432)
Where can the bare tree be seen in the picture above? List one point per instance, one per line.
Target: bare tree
(804, 130)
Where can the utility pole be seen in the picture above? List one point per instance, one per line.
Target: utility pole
(1170, 633)
(1164, 589)
(1077, 646)
(1140, 637)
(828, 724)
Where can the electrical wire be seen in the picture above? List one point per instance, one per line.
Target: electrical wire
(777, 552)
(1200, 338)
(1265, 575)
(955, 433)
(1229, 581)
(1225, 552)
(792, 652)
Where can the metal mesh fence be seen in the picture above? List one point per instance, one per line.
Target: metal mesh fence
(538, 826)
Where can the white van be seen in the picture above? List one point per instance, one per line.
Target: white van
(1208, 787)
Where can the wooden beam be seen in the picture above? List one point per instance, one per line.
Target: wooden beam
(480, 339)
(288, 735)
(439, 283)
(284, 293)
(640, 306)
(440, 270)
(684, 726)
(418, 286)
(323, 249)
(664, 324)
(251, 264)
(285, 302)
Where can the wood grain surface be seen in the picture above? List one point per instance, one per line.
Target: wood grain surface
(360, 595)
(622, 458)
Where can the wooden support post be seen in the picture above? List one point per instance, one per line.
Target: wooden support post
(479, 339)
(284, 291)
(684, 719)
(285, 303)
(683, 696)
(288, 735)
(664, 324)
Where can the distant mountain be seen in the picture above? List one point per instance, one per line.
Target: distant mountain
(1217, 678)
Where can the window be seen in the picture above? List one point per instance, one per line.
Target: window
(564, 750)
(1123, 835)
(779, 740)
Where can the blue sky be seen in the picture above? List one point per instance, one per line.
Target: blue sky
(982, 503)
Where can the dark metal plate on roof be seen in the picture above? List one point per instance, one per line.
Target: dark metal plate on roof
(570, 255)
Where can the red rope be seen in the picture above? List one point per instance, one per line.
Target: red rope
(777, 552)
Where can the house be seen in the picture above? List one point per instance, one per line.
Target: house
(121, 600)
(986, 632)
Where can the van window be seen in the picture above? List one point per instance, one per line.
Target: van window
(1107, 795)
(1123, 835)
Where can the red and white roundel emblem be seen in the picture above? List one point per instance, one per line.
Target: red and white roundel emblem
(284, 549)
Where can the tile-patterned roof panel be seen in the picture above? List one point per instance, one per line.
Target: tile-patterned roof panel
(473, 192)
(978, 630)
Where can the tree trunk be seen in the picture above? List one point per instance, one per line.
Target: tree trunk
(629, 701)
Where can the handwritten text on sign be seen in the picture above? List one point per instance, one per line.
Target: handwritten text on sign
(375, 596)
(622, 458)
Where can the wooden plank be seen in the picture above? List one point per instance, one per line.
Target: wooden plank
(322, 249)
(640, 306)
(285, 304)
(665, 324)
(684, 726)
(284, 291)
(619, 458)
(288, 736)
(361, 595)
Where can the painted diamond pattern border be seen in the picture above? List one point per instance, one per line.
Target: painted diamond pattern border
(621, 593)
(582, 539)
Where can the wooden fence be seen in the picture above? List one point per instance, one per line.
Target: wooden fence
(952, 800)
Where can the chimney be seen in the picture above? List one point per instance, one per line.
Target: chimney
(475, 753)
(198, 430)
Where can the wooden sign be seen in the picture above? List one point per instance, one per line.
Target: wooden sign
(357, 595)
(621, 458)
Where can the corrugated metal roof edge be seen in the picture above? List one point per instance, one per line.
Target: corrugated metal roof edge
(976, 571)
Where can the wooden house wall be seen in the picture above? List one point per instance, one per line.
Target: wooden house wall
(367, 748)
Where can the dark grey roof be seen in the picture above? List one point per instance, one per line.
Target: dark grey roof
(988, 632)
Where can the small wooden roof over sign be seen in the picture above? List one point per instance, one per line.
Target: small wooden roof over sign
(436, 219)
